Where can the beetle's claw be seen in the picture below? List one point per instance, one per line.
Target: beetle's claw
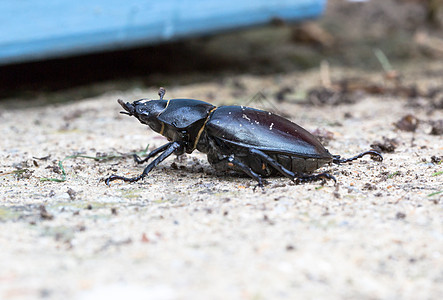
(375, 155)
(261, 183)
(108, 181)
(137, 159)
(258, 185)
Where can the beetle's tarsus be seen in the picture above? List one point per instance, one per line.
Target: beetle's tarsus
(127, 179)
(375, 155)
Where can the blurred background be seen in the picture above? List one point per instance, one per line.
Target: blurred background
(95, 46)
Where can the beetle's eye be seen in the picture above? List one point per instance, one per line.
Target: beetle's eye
(141, 109)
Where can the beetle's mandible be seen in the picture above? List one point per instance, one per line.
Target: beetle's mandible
(243, 139)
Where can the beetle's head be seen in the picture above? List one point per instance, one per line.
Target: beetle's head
(146, 111)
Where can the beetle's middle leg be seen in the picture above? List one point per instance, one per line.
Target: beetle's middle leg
(172, 147)
(298, 178)
(231, 161)
(315, 177)
(276, 165)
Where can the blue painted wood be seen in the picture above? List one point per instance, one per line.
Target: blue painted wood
(38, 29)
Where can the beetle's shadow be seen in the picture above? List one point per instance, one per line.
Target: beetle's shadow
(186, 165)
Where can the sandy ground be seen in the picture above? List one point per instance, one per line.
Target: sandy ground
(188, 233)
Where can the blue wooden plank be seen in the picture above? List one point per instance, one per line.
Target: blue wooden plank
(37, 29)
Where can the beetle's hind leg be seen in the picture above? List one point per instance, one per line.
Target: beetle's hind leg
(169, 150)
(297, 178)
(374, 155)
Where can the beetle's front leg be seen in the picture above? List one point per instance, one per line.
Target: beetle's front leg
(153, 153)
(172, 147)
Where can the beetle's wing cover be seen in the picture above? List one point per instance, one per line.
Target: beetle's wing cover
(181, 113)
(263, 130)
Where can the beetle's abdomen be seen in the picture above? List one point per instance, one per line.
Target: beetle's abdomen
(295, 164)
(298, 164)
(265, 131)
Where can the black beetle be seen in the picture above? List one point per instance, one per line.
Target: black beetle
(256, 142)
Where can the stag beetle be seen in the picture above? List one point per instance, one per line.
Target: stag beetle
(243, 139)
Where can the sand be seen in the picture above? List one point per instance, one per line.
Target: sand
(186, 232)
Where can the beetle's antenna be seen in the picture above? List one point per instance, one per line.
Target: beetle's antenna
(374, 155)
(161, 92)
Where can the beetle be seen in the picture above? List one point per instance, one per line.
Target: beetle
(255, 142)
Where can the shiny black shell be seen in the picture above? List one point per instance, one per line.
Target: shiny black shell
(253, 128)
(182, 113)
